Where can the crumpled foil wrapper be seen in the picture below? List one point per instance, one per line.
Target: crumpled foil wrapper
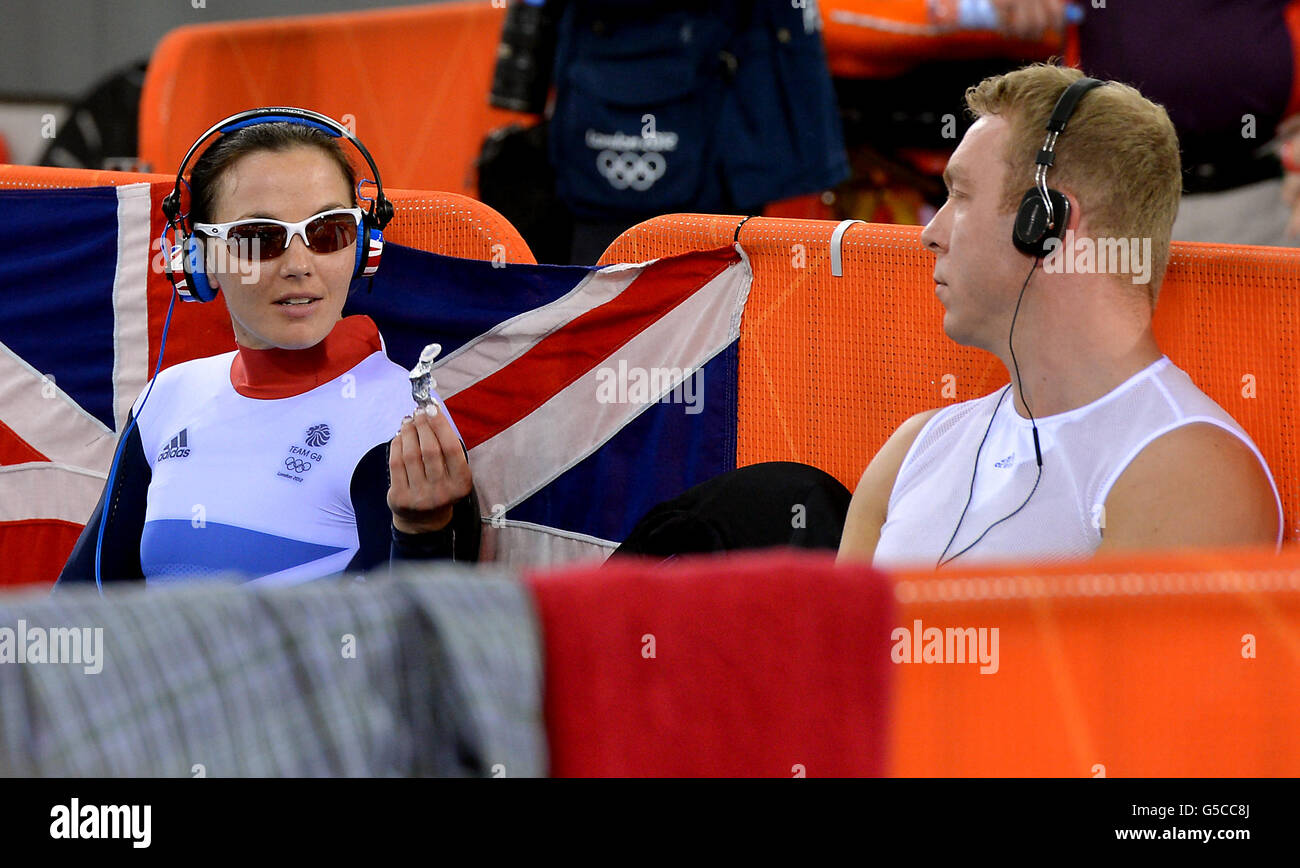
(422, 381)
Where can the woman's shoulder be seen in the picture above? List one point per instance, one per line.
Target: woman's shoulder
(383, 377)
(378, 391)
(384, 387)
(176, 391)
(192, 373)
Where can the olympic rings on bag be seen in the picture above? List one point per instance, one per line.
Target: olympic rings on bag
(630, 169)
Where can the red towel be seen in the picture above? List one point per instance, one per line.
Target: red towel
(768, 664)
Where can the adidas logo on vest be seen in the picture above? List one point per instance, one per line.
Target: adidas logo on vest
(179, 447)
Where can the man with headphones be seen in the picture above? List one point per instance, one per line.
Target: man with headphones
(1099, 443)
(278, 461)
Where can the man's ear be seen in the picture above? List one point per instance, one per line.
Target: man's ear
(1076, 213)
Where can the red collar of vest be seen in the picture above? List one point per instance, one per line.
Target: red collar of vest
(278, 373)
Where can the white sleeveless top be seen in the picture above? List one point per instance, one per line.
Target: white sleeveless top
(1084, 451)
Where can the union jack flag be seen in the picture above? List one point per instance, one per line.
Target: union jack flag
(584, 395)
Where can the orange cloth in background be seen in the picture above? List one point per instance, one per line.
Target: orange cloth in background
(858, 45)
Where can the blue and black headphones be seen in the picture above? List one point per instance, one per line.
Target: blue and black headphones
(185, 265)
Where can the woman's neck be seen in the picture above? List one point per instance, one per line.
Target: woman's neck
(277, 373)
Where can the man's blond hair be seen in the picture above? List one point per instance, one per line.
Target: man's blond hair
(1118, 154)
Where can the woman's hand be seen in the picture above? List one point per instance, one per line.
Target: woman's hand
(427, 472)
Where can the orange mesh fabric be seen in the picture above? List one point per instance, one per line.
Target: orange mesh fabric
(446, 223)
(829, 366)
(1123, 666)
(455, 225)
(414, 81)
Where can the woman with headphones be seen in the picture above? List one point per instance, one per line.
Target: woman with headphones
(278, 461)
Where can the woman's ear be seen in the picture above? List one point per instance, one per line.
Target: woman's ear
(211, 262)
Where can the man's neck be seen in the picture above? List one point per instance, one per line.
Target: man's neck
(1071, 353)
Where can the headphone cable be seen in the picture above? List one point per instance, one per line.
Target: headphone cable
(126, 433)
(1033, 423)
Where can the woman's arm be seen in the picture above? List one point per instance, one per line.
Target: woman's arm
(458, 541)
(381, 542)
(120, 558)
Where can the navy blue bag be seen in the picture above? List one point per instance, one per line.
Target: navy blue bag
(636, 102)
(708, 106)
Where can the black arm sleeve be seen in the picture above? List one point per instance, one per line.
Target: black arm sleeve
(120, 559)
(381, 542)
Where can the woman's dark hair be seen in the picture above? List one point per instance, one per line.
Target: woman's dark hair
(275, 136)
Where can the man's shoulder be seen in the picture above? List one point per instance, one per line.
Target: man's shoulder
(1203, 451)
(870, 505)
(1184, 428)
(1197, 484)
(912, 427)
(888, 460)
(1185, 395)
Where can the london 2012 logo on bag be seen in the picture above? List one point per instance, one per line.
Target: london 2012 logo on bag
(631, 161)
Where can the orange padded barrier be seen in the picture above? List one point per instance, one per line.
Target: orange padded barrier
(1161, 665)
(454, 225)
(446, 223)
(414, 82)
(829, 366)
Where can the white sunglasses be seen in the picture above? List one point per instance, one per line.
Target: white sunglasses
(326, 232)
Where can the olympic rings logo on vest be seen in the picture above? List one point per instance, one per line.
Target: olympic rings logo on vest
(297, 465)
(302, 458)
